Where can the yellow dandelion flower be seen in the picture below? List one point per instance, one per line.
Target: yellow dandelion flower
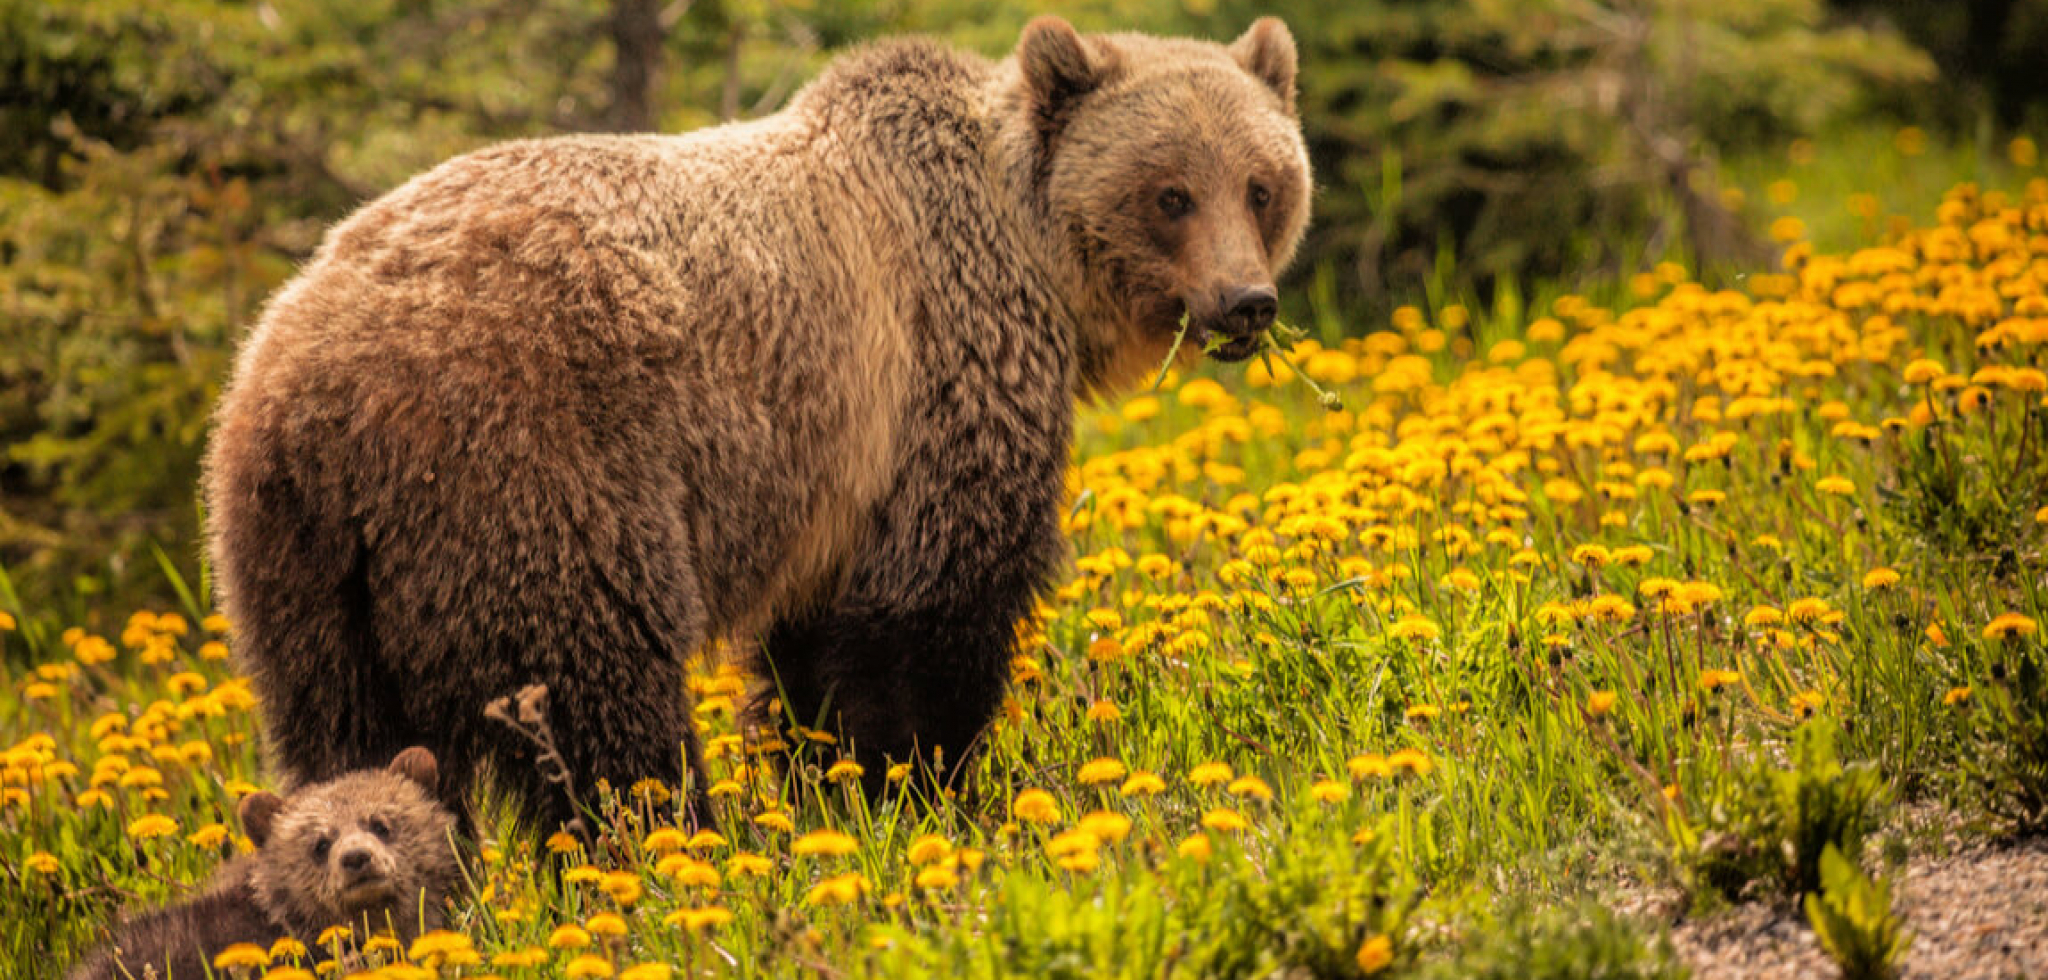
(564, 842)
(1414, 628)
(622, 886)
(646, 971)
(1036, 806)
(152, 825)
(1072, 842)
(1880, 578)
(1142, 783)
(1210, 774)
(1835, 486)
(844, 770)
(927, 849)
(1809, 610)
(439, 942)
(1107, 826)
(827, 842)
(1599, 703)
(1955, 696)
(520, 958)
(241, 956)
(1375, 954)
(1592, 555)
(209, 836)
(2010, 626)
(605, 924)
(1923, 371)
(1250, 787)
(1714, 680)
(1369, 765)
(1103, 711)
(746, 863)
(698, 919)
(569, 936)
(1224, 819)
(1099, 771)
(1195, 847)
(838, 890)
(664, 840)
(1411, 761)
(1329, 791)
(937, 877)
(1107, 620)
(588, 965)
(774, 820)
(43, 863)
(687, 871)
(1081, 862)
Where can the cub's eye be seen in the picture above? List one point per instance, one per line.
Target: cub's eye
(1175, 203)
(321, 847)
(1260, 196)
(377, 826)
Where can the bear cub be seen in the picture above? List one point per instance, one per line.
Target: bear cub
(369, 850)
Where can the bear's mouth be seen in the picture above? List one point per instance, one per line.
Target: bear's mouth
(1236, 349)
(368, 893)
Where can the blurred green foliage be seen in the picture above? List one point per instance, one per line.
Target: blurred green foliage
(168, 164)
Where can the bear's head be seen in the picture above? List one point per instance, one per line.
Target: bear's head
(368, 850)
(1173, 178)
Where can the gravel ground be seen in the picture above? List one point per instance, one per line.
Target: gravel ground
(1981, 914)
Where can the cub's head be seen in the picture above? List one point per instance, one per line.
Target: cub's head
(369, 850)
(1175, 175)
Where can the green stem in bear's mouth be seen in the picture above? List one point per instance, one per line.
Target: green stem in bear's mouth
(1171, 353)
(1327, 398)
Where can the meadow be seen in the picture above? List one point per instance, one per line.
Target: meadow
(1551, 607)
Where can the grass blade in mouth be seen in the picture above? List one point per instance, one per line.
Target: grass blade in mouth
(1171, 353)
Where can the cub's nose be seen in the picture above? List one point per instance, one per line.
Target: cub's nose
(1250, 309)
(355, 860)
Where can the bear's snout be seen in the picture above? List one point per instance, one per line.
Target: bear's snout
(362, 870)
(1249, 309)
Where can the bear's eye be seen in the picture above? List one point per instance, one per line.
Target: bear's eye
(321, 847)
(377, 826)
(1260, 196)
(1175, 203)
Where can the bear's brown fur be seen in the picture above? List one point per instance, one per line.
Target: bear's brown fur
(563, 411)
(369, 850)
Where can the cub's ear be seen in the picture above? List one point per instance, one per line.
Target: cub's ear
(1057, 68)
(417, 764)
(1267, 51)
(259, 812)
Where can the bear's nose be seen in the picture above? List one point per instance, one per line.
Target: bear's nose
(1251, 308)
(355, 860)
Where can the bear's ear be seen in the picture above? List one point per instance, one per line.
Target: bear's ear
(1057, 68)
(1267, 51)
(259, 811)
(417, 764)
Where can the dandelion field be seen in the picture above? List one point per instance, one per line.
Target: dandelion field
(1656, 588)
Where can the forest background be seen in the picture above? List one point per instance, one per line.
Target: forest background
(165, 165)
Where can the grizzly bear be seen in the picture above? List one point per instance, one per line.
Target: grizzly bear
(369, 850)
(564, 411)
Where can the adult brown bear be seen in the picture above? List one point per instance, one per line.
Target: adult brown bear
(563, 411)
